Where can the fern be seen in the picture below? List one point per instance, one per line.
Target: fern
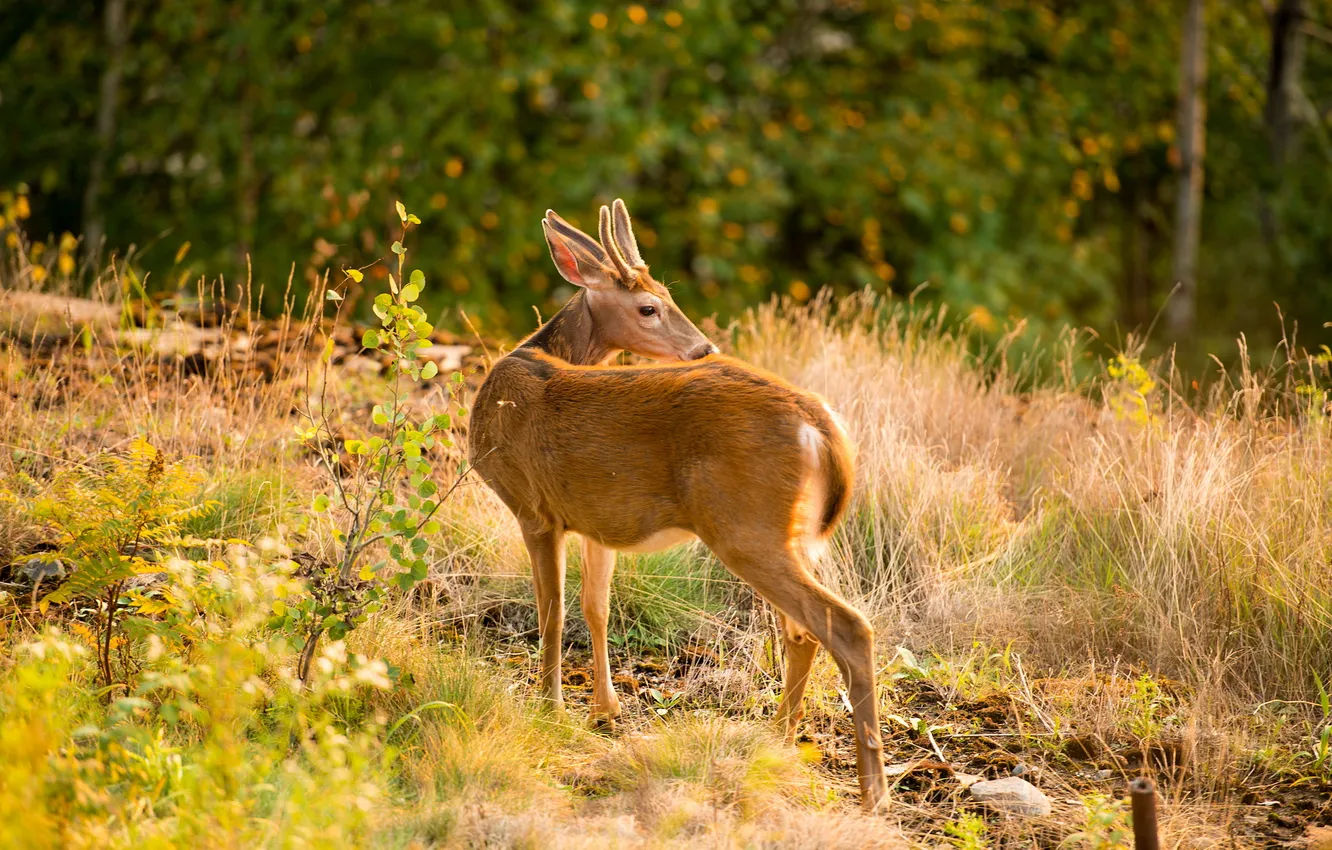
(112, 516)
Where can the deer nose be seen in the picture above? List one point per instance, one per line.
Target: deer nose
(702, 351)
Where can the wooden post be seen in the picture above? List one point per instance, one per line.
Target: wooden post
(1142, 791)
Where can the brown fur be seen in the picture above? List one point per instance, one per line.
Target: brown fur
(701, 443)
(711, 447)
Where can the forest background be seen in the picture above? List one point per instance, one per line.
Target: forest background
(1044, 162)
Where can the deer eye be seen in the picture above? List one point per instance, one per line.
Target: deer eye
(647, 310)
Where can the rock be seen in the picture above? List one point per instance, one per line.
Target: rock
(1012, 794)
(40, 567)
(449, 358)
(966, 780)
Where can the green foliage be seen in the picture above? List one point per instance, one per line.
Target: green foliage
(112, 516)
(967, 833)
(1150, 709)
(1018, 157)
(371, 508)
(1108, 825)
(215, 740)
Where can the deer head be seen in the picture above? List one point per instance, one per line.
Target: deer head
(630, 310)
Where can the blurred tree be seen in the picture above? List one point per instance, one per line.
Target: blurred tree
(1192, 153)
(1020, 158)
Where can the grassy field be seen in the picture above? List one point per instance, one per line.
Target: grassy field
(1081, 571)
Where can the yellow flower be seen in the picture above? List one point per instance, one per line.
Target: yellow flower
(982, 318)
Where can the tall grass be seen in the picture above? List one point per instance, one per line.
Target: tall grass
(1077, 516)
(1078, 509)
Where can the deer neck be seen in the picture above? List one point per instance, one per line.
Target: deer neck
(571, 335)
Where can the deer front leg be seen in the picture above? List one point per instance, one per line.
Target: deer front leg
(546, 549)
(598, 566)
(800, 650)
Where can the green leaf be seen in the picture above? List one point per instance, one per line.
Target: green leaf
(427, 489)
(429, 370)
(371, 339)
(354, 447)
(419, 546)
(412, 219)
(398, 249)
(354, 274)
(411, 292)
(332, 296)
(320, 504)
(402, 211)
(431, 527)
(378, 416)
(418, 277)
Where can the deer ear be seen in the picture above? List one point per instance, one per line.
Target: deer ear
(573, 260)
(624, 236)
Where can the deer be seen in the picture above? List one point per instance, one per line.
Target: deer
(638, 458)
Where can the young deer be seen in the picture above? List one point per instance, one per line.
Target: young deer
(639, 458)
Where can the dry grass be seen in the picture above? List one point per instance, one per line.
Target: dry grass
(1193, 538)
(1115, 566)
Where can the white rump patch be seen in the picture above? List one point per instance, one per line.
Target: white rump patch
(813, 494)
(664, 539)
(811, 441)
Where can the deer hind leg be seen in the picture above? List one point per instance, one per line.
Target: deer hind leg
(801, 647)
(598, 565)
(783, 578)
(546, 549)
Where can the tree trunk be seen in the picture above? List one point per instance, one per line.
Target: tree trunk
(1136, 250)
(1284, 72)
(1182, 309)
(1283, 78)
(94, 225)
